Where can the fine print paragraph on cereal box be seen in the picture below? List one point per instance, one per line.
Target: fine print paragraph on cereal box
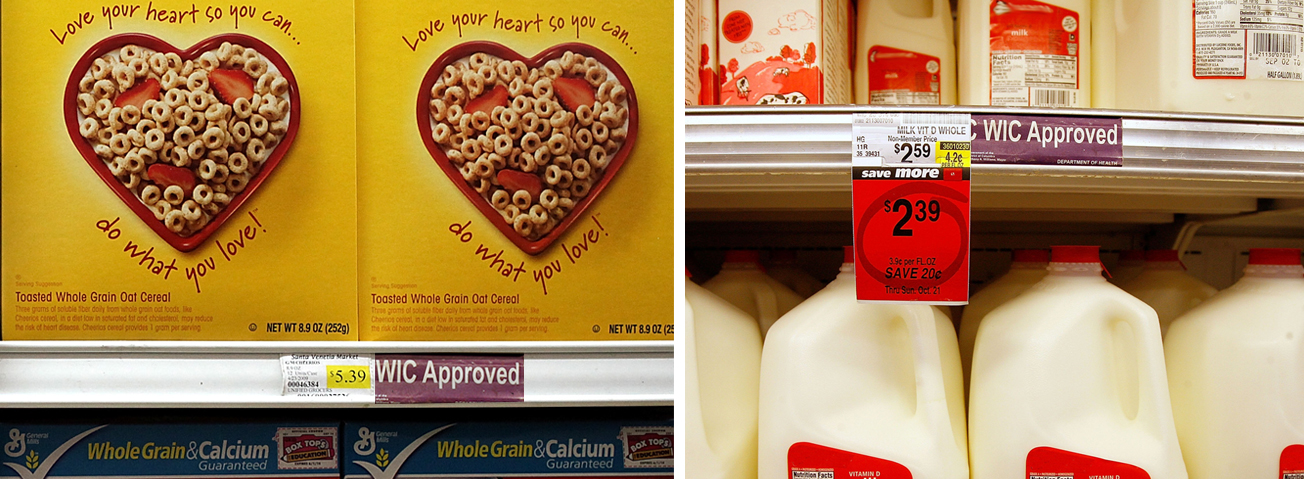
(515, 170)
(179, 170)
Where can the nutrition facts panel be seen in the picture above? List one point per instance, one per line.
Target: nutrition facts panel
(1249, 39)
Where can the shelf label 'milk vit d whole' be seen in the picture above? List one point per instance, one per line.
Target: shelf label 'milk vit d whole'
(515, 171)
(138, 451)
(607, 449)
(178, 171)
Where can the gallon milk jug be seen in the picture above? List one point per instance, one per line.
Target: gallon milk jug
(1025, 53)
(723, 366)
(1028, 267)
(1068, 379)
(1165, 286)
(1130, 264)
(742, 283)
(1233, 56)
(784, 268)
(1236, 373)
(905, 53)
(852, 390)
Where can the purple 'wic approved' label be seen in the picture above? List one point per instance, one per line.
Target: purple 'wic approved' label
(430, 378)
(1047, 140)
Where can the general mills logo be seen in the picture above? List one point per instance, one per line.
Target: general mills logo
(17, 445)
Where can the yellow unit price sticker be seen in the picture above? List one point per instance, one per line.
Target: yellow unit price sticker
(953, 154)
(348, 377)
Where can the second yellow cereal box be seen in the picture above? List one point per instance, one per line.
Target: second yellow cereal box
(179, 170)
(516, 170)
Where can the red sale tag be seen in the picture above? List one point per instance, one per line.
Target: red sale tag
(911, 209)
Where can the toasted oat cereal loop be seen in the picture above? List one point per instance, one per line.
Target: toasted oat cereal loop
(89, 128)
(175, 220)
(161, 209)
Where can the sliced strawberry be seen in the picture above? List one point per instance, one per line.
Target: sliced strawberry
(574, 92)
(168, 175)
(231, 84)
(488, 100)
(138, 95)
(516, 180)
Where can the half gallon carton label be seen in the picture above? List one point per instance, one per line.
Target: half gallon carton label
(247, 451)
(903, 77)
(813, 461)
(1034, 60)
(1248, 39)
(1051, 463)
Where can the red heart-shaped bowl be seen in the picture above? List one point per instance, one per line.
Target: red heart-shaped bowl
(181, 243)
(464, 50)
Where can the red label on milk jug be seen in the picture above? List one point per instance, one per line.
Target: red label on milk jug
(1051, 463)
(1292, 462)
(903, 77)
(813, 461)
(1034, 54)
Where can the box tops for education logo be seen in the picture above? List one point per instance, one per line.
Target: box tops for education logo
(648, 446)
(306, 448)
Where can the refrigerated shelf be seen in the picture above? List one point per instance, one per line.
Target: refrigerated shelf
(799, 158)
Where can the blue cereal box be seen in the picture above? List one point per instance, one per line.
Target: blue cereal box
(192, 451)
(590, 449)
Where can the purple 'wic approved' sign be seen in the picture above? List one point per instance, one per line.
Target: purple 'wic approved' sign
(430, 378)
(1047, 140)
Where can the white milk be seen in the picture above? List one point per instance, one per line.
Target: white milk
(784, 52)
(1073, 367)
(905, 53)
(744, 284)
(1236, 373)
(1028, 267)
(784, 269)
(1165, 286)
(723, 367)
(1025, 52)
(1130, 264)
(1233, 56)
(861, 391)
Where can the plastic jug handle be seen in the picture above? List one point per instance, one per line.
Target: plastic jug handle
(1150, 401)
(930, 391)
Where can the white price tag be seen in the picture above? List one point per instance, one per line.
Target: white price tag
(917, 139)
(342, 376)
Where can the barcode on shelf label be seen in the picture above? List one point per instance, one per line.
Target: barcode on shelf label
(1275, 43)
(934, 119)
(1054, 97)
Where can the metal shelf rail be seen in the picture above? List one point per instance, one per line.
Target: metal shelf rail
(806, 151)
(248, 374)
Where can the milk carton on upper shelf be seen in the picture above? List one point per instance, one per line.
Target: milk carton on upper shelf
(1130, 263)
(744, 284)
(290, 450)
(1236, 373)
(856, 390)
(1028, 266)
(1164, 285)
(905, 53)
(784, 268)
(723, 368)
(1025, 53)
(1068, 380)
(1232, 56)
(784, 52)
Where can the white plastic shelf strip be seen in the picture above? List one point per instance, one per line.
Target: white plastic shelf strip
(248, 374)
(807, 149)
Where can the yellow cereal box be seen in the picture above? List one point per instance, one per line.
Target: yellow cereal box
(516, 170)
(179, 170)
